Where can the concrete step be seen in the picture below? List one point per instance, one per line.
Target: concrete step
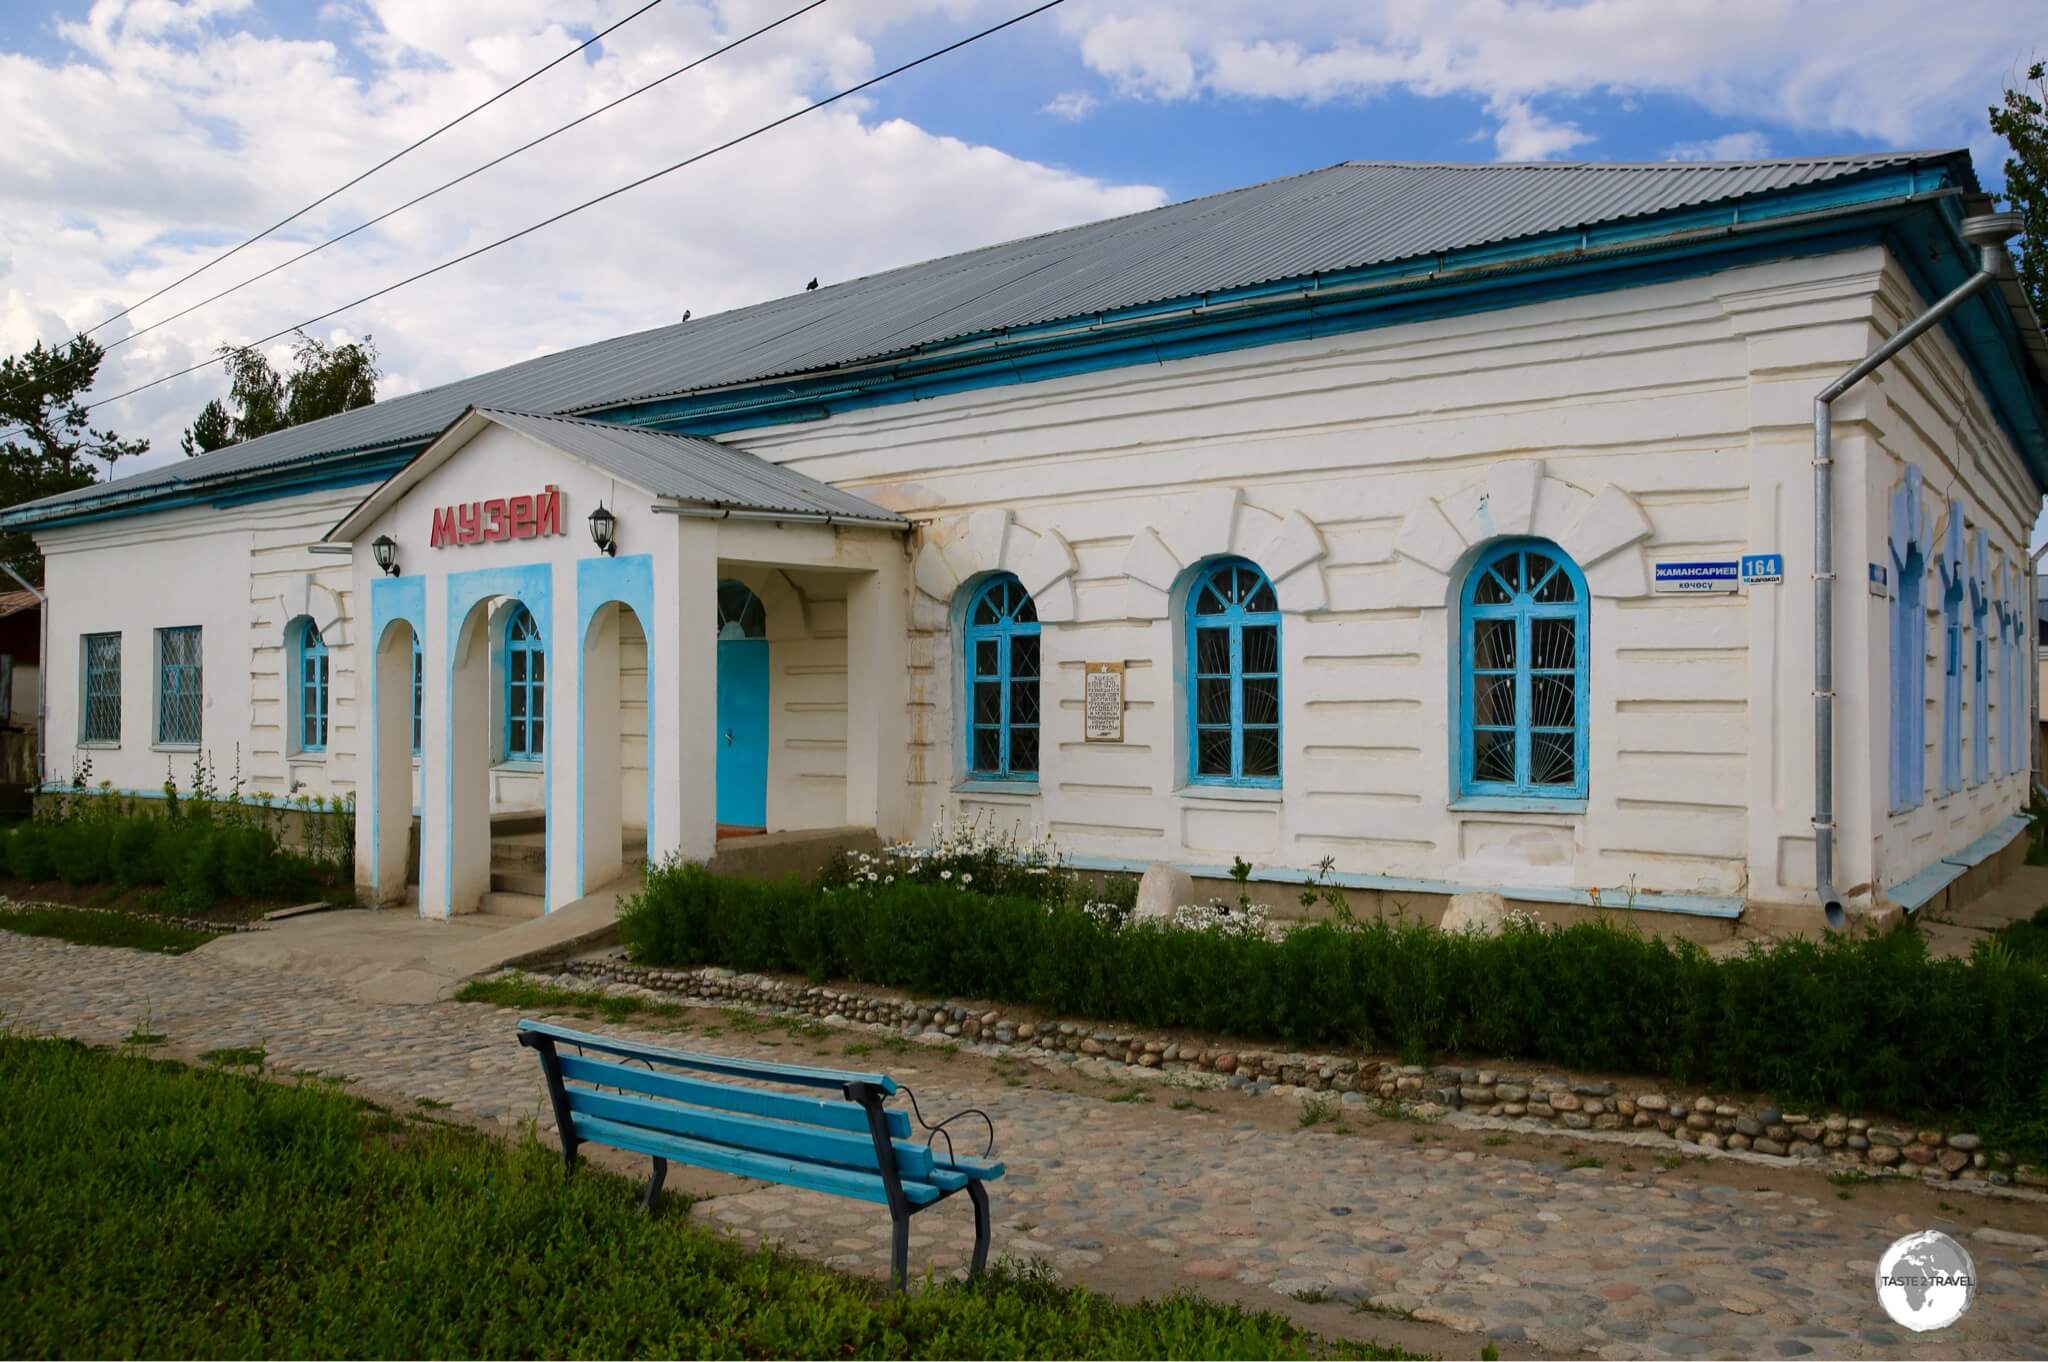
(530, 882)
(513, 905)
(519, 851)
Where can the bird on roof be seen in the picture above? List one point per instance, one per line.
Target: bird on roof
(812, 285)
(686, 314)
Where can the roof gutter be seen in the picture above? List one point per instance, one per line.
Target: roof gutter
(692, 511)
(28, 516)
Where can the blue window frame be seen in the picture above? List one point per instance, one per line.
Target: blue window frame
(1522, 686)
(1980, 676)
(1951, 561)
(311, 652)
(101, 717)
(180, 686)
(1001, 646)
(1234, 676)
(1909, 544)
(526, 665)
(419, 677)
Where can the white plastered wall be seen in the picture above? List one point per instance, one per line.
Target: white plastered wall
(241, 574)
(1662, 422)
(1927, 410)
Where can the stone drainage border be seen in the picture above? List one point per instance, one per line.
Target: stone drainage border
(196, 924)
(1486, 1099)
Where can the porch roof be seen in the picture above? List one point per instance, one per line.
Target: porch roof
(687, 470)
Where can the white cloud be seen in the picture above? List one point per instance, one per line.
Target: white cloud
(1525, 135)
(1071, 105)
(1886, 70)
(168, 130)
(1733, 146)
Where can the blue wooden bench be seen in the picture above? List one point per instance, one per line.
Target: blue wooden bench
(613, 1092)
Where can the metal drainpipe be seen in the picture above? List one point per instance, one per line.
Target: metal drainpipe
(42, 676)
(1989, 232)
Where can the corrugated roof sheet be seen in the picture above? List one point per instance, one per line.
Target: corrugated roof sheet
(688, 468)
(1344, 217)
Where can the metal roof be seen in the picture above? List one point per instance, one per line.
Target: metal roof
(1346, 216)
(690, 469)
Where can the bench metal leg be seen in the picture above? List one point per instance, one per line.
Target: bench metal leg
(979, 1196)
(654, 1181)
(899, 1254)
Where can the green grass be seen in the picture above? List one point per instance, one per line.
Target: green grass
(522, 992)
(155, 1209)
(2026, 940)
(86, 927)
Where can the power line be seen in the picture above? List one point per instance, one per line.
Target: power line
(403, 151)
(609, 194)
(468, 174)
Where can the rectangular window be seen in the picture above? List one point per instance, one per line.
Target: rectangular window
(179, 682)
(102, 719)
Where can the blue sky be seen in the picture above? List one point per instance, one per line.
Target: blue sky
(146, 132)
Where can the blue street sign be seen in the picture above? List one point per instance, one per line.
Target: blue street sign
(1689, 577)
(1763, 567)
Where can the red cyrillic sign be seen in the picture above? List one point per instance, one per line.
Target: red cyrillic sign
(485, 522)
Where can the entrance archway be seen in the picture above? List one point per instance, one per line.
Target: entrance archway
(616, 745)
(395, 719)
(743, 710)
(499, 731)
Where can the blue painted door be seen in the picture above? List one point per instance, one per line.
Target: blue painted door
(743, 732)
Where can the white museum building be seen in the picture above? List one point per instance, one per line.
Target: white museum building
(1431, 528)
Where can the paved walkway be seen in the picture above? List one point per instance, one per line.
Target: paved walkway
(1705, 1259)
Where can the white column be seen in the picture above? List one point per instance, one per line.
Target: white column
(683, 651)
(389, 727)
(598, 674)
(877, 642)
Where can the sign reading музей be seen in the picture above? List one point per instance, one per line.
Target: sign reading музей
(485, 522)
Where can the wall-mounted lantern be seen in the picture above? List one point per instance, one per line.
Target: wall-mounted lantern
(385, 549)
(602, 525)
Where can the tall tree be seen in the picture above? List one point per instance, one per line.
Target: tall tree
(50, 447)
(2020, 120)
(324, 379)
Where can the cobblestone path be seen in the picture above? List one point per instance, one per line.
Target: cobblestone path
(1138, 1196)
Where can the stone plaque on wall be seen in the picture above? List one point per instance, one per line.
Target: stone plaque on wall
(1103, 702)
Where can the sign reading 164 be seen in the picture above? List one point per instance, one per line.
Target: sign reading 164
(483, 522)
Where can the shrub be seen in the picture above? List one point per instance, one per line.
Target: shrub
(200, 850)
(195, 864)
(132, 853)
(28, 853)
(1866, 1021)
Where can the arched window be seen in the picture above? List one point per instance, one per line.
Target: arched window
(419, 676)
(526, 666)
(1908, 547)
(311, 652)
(1522, 692)
(1001, 667)
(740, 612)
(1234, 675)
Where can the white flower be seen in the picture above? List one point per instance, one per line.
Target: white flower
(966, 879)
(945, 874)
(890, 880)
